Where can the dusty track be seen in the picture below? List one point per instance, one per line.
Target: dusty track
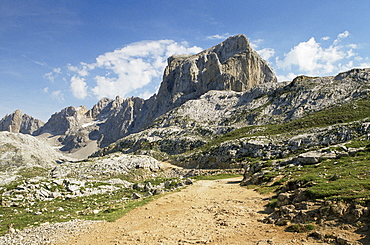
(209, 212)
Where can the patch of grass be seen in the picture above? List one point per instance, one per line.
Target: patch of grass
(216, 176)
(272, 203)
(300, 228)
(347, 178)
(264, 189)
(344, 113)
(108, 206)
(358, 143)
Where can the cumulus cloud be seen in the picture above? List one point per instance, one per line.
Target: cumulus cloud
(365, 65)
(312, 59)
(58, 96)
(78, 87)
(266, 53)
(218, 36)
(127, 69)
(289, 77)
(255, 43)
(57, 70)
(81, 71)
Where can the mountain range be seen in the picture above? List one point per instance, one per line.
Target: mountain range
(203, 96)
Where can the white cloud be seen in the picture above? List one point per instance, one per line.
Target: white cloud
(312, 59)
(218, 36)
(57, 70)
(57, 95)
(325, 38)
(255, 43)
(350, 53)
(146, 95)
(345, 67)
(365, 65)
(83, 71)
(49, 76)
(78, 87)
(341, 36)
(127, 69)
(46, 90)
(266, 53)
(289, 77)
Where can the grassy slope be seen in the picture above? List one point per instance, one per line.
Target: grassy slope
(338, 114)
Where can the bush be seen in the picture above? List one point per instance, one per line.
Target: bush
(300, 228)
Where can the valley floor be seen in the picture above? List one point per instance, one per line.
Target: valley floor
(208, 212)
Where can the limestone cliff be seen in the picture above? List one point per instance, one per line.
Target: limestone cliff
(18, 122)
(232, 65)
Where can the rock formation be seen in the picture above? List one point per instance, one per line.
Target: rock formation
(19, 150)
(17, 122)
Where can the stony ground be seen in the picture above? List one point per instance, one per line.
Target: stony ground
(209, 212)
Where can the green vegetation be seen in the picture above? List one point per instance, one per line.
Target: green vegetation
(344, 113)
(109, 206)
(216, 176)
(346, 178)
(300, 228)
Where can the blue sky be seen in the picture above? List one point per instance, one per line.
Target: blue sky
(55, 54)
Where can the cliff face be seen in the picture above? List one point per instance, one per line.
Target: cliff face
(232, 65)
(17, 122)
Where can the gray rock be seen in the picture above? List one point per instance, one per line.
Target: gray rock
(136, 195)
(20, 150)
(17, 122)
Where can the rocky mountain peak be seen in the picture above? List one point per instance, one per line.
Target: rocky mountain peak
(66, 120)
(232, 65)
(17, 122)
(230, 47)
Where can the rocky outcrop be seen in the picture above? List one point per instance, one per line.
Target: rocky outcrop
(17, 122)
(66, 121)
(113, 165)
(279, 146)
(19, 150)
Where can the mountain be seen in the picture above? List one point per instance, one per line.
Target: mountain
(17, 122)
(229, 66)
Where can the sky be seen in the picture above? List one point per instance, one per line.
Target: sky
(60, 53)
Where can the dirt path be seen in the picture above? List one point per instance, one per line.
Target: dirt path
(208, 212)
